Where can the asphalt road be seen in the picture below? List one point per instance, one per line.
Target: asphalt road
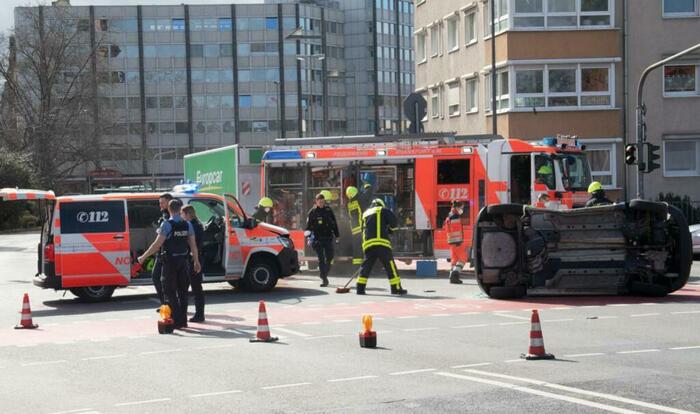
(444, 348)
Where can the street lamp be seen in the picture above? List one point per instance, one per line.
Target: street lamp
(338, 75)
(158, 155)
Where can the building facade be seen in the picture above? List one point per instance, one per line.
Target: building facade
(185, 78)
(671, 93)
(559, 69)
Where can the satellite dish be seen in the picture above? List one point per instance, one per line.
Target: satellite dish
(415, 108)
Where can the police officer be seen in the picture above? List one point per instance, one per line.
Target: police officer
(378, 224)
(455, 238)
(355, 213)
(190, 215)
(262, 210)
(157, 272)
(175, 235)
(598, 197)
(322, 228)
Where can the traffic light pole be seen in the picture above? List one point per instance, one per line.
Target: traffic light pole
(641, 112)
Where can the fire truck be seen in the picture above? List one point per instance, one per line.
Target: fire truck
(418, 178)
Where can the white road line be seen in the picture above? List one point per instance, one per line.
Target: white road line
(162, 351)
(513, 323)
(103, 357)
(640, 351)
(540, 393)
(608, 317)
(558, 320)
(80, 410)
(561, 308)
(682, 348)
(481, 325)
(291, 332)
(584, 355)
(353, 378)
(100, 339)
(648, 304)
(214, 346)
(34, 364)
(480, 364)
(126, 404)
(407, 317)
(439, 315)
(420, 329)
(619, 305)
(611, 397)
(342, 321)
(642, 315)
(512, 361)
(275, 387)
(470, 313)
(685, 312)
(323, 337)
(505, 315)
(213, 394)
(415, 371)
(311, 323)
(377, 318)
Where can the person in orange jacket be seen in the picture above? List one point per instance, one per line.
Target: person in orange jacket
(455, 238)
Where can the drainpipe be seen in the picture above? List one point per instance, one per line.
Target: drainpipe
(625, 93)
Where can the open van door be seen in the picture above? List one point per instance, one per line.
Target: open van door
(235, 221)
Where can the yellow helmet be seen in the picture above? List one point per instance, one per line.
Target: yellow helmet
(595, 186)
(266, 202)
(351, 192)
(545, 169)
(378, 202)
(327, 195)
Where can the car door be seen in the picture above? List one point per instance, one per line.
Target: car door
(94, 243)
(235, 219)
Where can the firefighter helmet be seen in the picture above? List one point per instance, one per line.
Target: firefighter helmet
(595, 186)
(545, 169)
(351, 192)
(266, 202)
(327, 195)
(378, 202)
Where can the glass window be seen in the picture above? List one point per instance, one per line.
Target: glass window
(227, 101)
(601, 158)
(680, 7)
(271, 23)
(132, 76)
(212, 76)
(199, 128)
(163, 25)
(261, 126)
(472, 96)
(244, 75)
(260, 101)
(213, 101)
(245, 101)
(420, 46)
(681, 158)
(544, 171)
(211, 24)
(180, 102)
(243, 49)
(470, 27)
(452, 34)
(149, 25)
(594, 5)
(166, 102)
(529, 88)
(434, 40)
(453, 99)
(149, 51)
(435, 102)
(178, 25)
(179, 76)
(228, 127)
(226, 75)
(134, 102)
(93, 217)
(453, 172)
(198, 101)
(680, 80)
(225, 25)
(211, 50)
(562, 87)
(196, 24)
(196, 51)
(177, 51)
(164, 51)
(256, 23)
(151, 102)
(182, 127)
(197, 76)
(528, 6)
(167, 128)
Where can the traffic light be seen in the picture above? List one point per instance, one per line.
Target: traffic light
(652, 153)
(631, 154)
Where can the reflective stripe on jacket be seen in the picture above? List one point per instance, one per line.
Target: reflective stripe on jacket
(378, 224)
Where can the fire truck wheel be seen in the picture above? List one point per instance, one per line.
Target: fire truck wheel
(507, 292)
(260, 276)
(93, 294)
(505, 210)
(649, 206)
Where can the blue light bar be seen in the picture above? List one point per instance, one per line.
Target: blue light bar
(189, 188)
(282, 155)
(549, 141)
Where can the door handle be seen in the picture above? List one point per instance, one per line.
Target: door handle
(119, 237)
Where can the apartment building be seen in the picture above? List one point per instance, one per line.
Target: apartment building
(671, 93)
(559, 69)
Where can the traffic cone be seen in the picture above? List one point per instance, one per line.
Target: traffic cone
(26, 321)
(263, 333)
(536, 350)
(368, 337)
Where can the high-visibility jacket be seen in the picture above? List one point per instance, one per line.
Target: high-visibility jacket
(355, 213)
(455, 231)
(378, 223)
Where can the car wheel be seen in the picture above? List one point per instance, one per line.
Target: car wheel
(505, 210)
(649, 206)
(260, 277)
(506, 292)
(93, 294)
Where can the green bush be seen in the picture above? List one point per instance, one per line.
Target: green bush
(15, 172)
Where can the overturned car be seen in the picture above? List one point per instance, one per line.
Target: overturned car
(640, 247)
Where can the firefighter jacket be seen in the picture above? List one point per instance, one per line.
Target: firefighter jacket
(260, 214)
(355, 214)
(598, 199)
(453, 227)
(321, 223)
(378, 223)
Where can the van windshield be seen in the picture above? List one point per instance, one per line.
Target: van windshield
(576, 172)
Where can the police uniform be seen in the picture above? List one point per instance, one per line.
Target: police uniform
(176, 266)
(455, 238)
(355, 214)
(323, 226)
(378, 224)
(157, 272)
(196, 277)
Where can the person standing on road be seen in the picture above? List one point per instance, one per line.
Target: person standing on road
(378, 223)
(190, 215)
(322, 228)
(157, 272)
(175, 236)
(455, 238)
(355, 214)
(263, 209)
(598, 197)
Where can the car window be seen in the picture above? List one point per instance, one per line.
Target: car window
(143, 213)
(207, 208)
(92, 217)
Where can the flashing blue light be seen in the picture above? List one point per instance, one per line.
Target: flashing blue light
(189, 188)
(282, 155)
(549, 141)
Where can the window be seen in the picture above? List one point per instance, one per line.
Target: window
(528, 13)
(602, 160)
(245, 101)
(92, 217)
(502, 91)
(166, 102)
(271, 23)
(180, 102)
(501, 16)
(681, 80)
(559, 13)
(435, 102)
(529, 88)
(682, 158)
(471, 96)
(557, 86)
(434, 40)
(225, 25)
(470, 28)
(211, 50)
(453, 172)
(595, 13)
(420, 46)
(178, 25)
(453, 99)
(452, 34)
(680, 8)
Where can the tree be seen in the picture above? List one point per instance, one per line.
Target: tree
(50, 101)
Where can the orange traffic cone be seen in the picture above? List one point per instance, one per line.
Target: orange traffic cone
(263, 334)
(26, 321)
(536, 350)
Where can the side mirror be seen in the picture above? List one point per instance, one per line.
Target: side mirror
(250, 223)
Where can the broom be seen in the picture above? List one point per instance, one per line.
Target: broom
(346, 289)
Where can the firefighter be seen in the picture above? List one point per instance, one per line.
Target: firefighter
(189, 214)
(355, 213)
(262, 210)
(455, 238)
(598, 197)
(157, 271)
(378, 224)
(366, 196)
(545, 175)
(177, 239)
(322, 231)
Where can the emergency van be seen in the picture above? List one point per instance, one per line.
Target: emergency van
(89, 243)
(418, 178)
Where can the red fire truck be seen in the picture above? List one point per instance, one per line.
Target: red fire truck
(418, 178)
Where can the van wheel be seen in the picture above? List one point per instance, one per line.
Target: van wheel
(93, 294)
(260, 277)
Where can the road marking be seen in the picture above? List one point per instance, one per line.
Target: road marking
(27, 345)
(511, 361)
(342, 321)
(213, 394)
(583, 355)
(558, 320)
(470, 326)
(34, 364)
(561, 308)
(80, 410)
(540, 393)
(100, 339)
(640, 351)
(513, 323)
(619, 305)
(682, 348)
(275, 387)
(103, 357)
(415, 371)
(642, 315)
(376, 318)
(685, 312)
(126, 404)
(419, 329)
(291, 332)
(323, 337)
(480, 364)
(470, 313)
(648, 304)
(608, 317)
(407, 317)
(162, 351)
(438, 315)
(353, 378)
(522, 318)
(311, 323)
(611, 397)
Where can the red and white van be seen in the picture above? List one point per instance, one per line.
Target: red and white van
(89, 243)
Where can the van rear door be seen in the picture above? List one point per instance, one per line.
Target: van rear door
(94, 248)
